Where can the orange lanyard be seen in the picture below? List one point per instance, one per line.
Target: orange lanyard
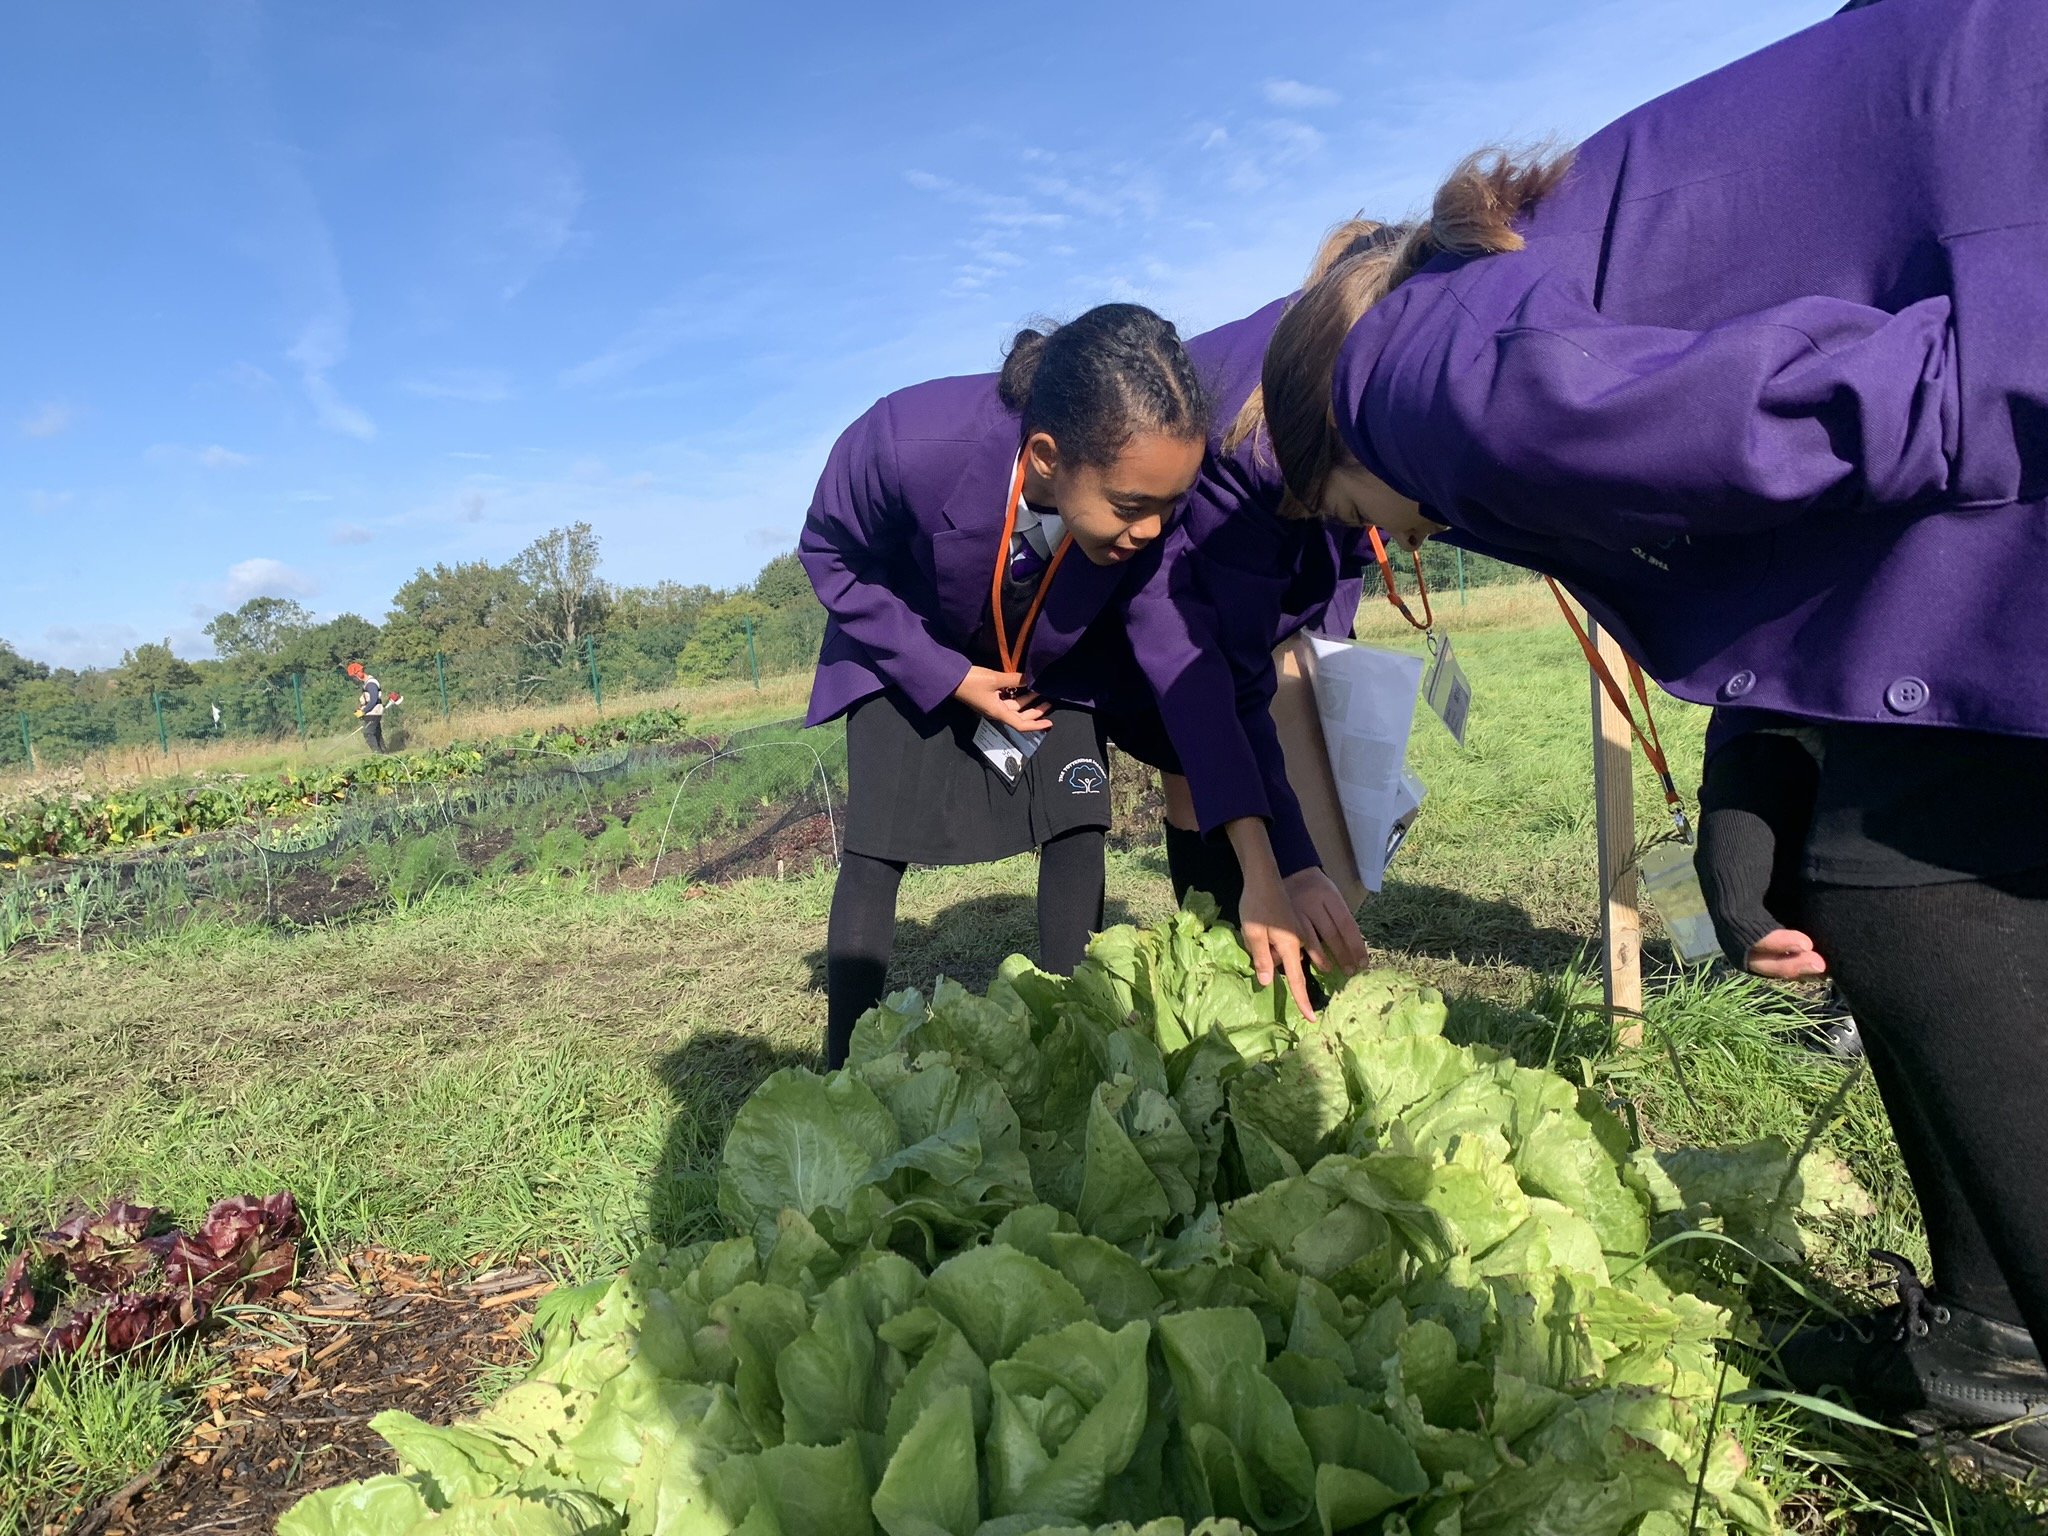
(1379, 550)
(1008, 657)
(1653, 746)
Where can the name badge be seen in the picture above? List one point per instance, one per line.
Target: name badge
(1444, 686)
(1007, 751)
(1672, 886)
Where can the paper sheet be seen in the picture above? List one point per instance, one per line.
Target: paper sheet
(1366, 698)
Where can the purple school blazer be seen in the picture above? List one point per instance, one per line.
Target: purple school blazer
(1768, 387)
(901, 542)
(1242, 579)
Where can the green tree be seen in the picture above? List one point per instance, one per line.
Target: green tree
(151, 669)
(259, 630)
(327, 647)
(453, 608)
(665, 605)
(568, 600)
(784, 583)
(717, 651)
(15, 671)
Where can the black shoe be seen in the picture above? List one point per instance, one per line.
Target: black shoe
(1834, 1032)
(1920, 1358)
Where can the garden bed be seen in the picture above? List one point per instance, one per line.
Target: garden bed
(292, 1410)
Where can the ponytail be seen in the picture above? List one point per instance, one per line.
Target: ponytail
(1474, 213)
(1102, 378)
(1020, 367)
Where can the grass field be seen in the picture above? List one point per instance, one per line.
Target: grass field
(545, 1067)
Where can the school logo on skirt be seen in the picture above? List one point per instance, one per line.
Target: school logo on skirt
(1085, 776)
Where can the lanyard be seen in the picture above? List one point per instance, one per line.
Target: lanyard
(1008, 657)
(1653, 746)
(1379, 550)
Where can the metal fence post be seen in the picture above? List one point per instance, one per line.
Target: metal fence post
(753, 661)
(441, 675)
(28, 747)
(1461, 577)
(590, 655)
(299, 704)
(163, 739)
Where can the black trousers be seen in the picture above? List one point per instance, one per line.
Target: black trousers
(861, 934)
(1949, 984)
(373, 732)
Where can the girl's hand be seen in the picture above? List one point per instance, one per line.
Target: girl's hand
(1328, 926)
(1003, 698)
(1784, 954)
(1266, 919)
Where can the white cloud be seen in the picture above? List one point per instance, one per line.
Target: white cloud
(771, 538)
(48, 420)
(293, 232)
(250, 377)
(320, 347)
(484, 386)
(85, 645)
(213, 456)
(463, 453)
(49, 503)
(349, 533)
(264, 577)
(1294, 96)
(540, 187)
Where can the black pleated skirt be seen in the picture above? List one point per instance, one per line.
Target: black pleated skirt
(919, 791)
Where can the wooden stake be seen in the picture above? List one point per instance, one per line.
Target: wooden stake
(1621, 953)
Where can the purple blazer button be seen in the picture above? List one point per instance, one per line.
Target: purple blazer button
(1738, 685)
(1906, 695)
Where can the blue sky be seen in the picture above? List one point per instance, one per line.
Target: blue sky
(296, 299)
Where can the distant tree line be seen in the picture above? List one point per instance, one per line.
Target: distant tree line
(522, 631)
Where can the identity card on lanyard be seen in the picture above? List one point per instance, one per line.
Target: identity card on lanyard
(1444, 686)
(1007, 750)
(1669, 877)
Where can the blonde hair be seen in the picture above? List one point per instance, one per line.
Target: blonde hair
(1474, 213)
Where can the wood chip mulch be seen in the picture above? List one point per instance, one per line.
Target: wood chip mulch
(301, 1383)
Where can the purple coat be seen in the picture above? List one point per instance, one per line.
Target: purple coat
(1769, 385)
(901, 543)
(1242, 579)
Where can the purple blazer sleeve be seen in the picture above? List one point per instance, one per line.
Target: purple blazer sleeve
(857, 527)
(1498, 397)
(1216, 707)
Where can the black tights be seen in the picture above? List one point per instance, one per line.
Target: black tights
(862, 932)
(1198, 863)
(1949, 984)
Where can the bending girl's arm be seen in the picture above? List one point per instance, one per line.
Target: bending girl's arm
(1218, 721)
(856, 525)
(1507, 405)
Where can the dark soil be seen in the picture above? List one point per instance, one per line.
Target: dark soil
(778, 844)
(309, 897)
(384, 1331)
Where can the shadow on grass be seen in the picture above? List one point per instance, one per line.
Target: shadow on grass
(1444, 924)
(710, 1074)
(967, 941)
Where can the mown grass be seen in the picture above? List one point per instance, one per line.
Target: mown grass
(546, 1066)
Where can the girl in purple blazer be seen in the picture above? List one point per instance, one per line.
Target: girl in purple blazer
(974, 542)
(1243, 578)
(1762, 374)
